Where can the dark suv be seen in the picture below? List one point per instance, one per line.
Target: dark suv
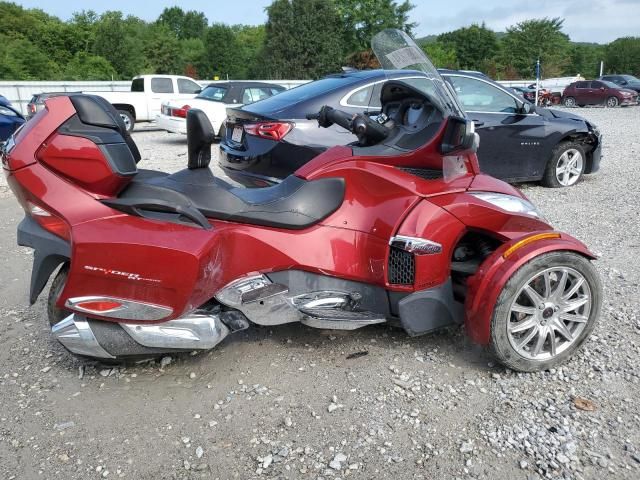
(624, 81)
(598, 92)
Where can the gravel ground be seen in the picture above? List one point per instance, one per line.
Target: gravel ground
(290, 402)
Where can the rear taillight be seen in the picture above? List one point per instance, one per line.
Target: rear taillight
(32, 108)
(272, 130)
(180, 112)
(50, 222)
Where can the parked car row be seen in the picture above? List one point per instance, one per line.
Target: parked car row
(264, 142)
(10, 119)
(598, 92)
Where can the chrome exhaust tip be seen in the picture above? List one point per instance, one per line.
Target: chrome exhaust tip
(75, 333)
(193, 332)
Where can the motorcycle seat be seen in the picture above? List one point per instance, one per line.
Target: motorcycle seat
(292, 204)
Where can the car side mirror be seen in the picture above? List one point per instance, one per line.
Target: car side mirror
(197, 91)
(602, 89)
(623, 82)
(527, 108)
(459, 135)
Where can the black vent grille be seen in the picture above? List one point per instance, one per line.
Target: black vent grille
(424, 173)
(401, 267)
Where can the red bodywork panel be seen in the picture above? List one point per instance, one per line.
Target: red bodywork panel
(77, 159)
(485, 285)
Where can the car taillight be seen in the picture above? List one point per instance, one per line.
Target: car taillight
(272, 130)
(32, 108)
(49, 221)
(180, 112)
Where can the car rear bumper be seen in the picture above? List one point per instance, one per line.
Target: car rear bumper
(172, 124)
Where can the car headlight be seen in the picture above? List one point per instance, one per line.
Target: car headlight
(7, 111)
(509, 203)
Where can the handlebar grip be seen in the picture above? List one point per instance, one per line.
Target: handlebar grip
(340, 118)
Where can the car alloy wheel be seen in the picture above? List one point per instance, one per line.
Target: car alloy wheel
(569, 167)
(569, 102)
(612, 102)
(549, 313)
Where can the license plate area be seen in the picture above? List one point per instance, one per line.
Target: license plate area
(236, 136)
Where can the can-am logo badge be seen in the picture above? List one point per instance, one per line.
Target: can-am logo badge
(119, 273)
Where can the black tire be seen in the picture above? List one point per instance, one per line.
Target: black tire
(129, 121)
(569, 102)
(550, 178)
(54, 313)
(499, 343)
(612, 102)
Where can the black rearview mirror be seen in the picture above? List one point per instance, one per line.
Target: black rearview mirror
(460, 135)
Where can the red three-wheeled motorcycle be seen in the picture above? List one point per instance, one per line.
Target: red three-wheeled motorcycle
(400, 227)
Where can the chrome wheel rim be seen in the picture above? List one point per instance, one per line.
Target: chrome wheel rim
(612, 102)
(126, 120)
(569, 102)
(549, 313)
(569, 167)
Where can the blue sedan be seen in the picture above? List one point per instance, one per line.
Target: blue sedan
(10, 119)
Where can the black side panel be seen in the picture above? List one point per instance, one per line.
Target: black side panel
(49, 252)
(374, 298)
(428, 310)
(120, 158)
(98, 135)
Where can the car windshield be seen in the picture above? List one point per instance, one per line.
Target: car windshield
(630, 78)
(395, 50)
(610, 84)
(213, 92)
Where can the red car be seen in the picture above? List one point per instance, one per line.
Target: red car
(401, 227)
(598, 92)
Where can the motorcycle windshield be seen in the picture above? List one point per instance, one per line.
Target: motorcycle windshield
(396, 50)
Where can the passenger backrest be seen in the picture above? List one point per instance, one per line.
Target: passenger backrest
(200, 136)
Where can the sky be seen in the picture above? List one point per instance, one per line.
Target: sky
(598, 21)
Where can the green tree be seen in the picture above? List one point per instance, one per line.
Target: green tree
(474, 46)
(118, 40)
(441, 54)
(623, 56)
(220, 57)
(585, 60)
(192, 55)
(529, 40)
(84, 66)
(20, 59)
(162, 50)
(362, 19)
(303, 39)
(250, 41)
(183, 24)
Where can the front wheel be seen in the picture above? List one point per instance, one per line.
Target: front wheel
(612, 102)
(566, 165)
(127, 118)
(545, 311)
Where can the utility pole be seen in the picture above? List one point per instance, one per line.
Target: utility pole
(537, 80)
(601, 67)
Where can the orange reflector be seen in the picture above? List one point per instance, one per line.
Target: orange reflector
(99, 305)
(527, 241)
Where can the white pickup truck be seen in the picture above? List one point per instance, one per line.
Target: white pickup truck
(142, 103)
